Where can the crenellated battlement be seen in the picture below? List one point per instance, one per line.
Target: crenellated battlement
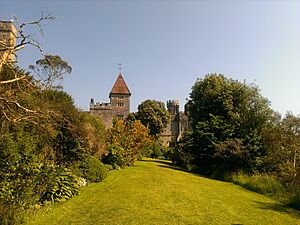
(173, 106)
(100, 105)
(173, 103)
(178, 126)
(119, 105)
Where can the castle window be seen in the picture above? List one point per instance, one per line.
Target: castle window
(120, 104)
(120, 117)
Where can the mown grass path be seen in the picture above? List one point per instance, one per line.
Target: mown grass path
(155, 193)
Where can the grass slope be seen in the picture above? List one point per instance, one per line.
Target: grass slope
(155, 193)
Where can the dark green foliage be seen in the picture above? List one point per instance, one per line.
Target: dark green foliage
(61, 184)
(182, 155)
(67, 123)
(235, 132)
(227, 118)
(19, 167)
(115, 157)
(42, 135)
(157, 151)
(18, 163)
(153, 114)
(294, 201)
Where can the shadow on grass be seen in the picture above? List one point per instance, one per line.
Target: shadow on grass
(276, 206)
(168, 163)
(279, 207)
(173, 167)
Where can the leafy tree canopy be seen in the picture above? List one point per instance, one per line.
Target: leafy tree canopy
(50, 69)
(154, 115)
(227, 119)
(129, 140)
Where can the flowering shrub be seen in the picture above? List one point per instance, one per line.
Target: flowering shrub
(81, 182)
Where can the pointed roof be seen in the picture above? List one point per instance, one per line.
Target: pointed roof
(120, 86)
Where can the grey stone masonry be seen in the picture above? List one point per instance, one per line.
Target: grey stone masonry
(117, 108)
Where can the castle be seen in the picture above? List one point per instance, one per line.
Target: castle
(119, 108)
(119, 105)
(8, 36)
(178, 126)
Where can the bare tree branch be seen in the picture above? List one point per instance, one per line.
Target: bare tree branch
(22, 38)
(18, 105)
(12, 80)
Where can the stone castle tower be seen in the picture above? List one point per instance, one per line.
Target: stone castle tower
(178, 126)
(8, 36)
(119, 105)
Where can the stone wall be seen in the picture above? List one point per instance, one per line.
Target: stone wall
(8, 34)
(118, 108)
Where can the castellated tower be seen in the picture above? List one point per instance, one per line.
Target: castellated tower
(170, 135)
(173, 107)
(119, 105)
(179, 124)
(8, 35)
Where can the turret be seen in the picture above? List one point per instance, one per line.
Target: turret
(173, 107)
(92, 103)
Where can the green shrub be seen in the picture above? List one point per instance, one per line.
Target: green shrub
(9, 215)
(294, 201)
(260, 183)
(95, 135)
(156, 150)
(115, 157)
(18, 167)
(61, 184)
(93, 169)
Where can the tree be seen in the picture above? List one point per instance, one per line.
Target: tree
(281, 139)
(227, 119)
(94, 135)
(23, 39)
(291, 126)
(50, 69)
(154, 115)
(128, 140)
(18, 89)
(18, 100)
(41, 133)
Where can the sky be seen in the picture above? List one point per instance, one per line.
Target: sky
(164, 45)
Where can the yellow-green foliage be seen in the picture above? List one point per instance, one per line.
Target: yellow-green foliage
(129, 139)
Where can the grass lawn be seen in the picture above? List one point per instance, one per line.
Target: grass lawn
(152, 192)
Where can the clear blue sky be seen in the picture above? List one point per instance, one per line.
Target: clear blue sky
(165, 45)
